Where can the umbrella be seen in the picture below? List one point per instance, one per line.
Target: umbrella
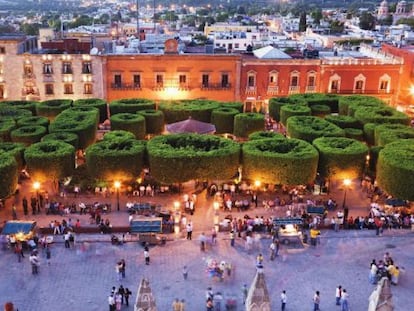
(191, 126)
(145, 299)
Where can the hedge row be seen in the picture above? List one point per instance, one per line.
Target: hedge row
(248, 123)
(98, 103)
(309, 128)
(223, 119)
(51, 108)
(9, 175)
(130, 105)
(66, 137)
(16, 150)
(28, 134)
(154, 121)
(7, 124)
(22, 104)
(176, 111)
(131, 122)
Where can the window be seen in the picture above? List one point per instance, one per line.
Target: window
(335, 85)
(273, 78)
(68, 88)
(359, 85)
(311, 81)
(49, 89)
(294, 81)
(1, 68)
(67, 68)
(47, 68)
(1, 91)
(204, 80)
(87, 88)
(224, 80)
(251, 81)
(86, 67)
(2, 50)
(159, 80)
(118, 80)
(137, 80)
(384, 85)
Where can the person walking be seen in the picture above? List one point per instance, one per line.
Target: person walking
(344, 301)
(118, 271)
(176, 305)
(48, 253)
(25, 206)
(316, 301)
(14, 212)
(66, 237)
(182, 305)
(283, 300)
(189, 229)
(18, 249)
(123, 267)
(272, 250)
(121, 291)
(146, 255)
(338, 295)
(245, 291)
(35, 262)
(127, 294)
(185, 272)
(111, 302)
(232, 237)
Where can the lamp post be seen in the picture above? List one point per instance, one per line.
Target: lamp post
(36, 187)
(117, 185)
(347, 183)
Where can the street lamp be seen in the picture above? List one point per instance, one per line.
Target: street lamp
(117, 185)
(347, 183)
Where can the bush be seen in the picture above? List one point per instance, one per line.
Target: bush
(179, 158)
(308, 128)
(279, 161)
(265, 134)
(134, 123)
(28, 134)
(388, 132)
(357, 134)
(33, 120)
(276, 103)
(247, 123)
(14, 113)
(118, 135)
(341, 158)
(320, 110)
(234, 105)
(287, 111)
(357, 101)
(51, 108)
(130, 105)
(100, 104)
(223, 119)
(373, 159)
(175, 111)
(369, 133)
(311, 99)
(16, 150)
(381, 115)
(344, 121)
(9, 175)
(66, 137)
(154, 121)
(7, 124)
(22, 104)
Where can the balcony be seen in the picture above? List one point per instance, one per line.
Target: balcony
(48, 78)
(29, 75)
(125, 86)
(365, 92)
(311, 89)
(216, 86)
(251, 90)
(272, 90)
(294, 89)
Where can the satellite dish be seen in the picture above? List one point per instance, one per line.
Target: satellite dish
(94, 51)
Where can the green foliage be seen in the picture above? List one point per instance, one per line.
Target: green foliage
(22, 104)
(98, 103)
(395, 169)
(182, 157)
(134, 123)
(340, 158)
(16, 150)
(115, 159)
(223, 119)
(28, 134)
(265, 135)
(154, 121)
(236, 105)
(367, 21)
(311, 99)
(336, 26)
(51, 108)
(348, 104)
(7, 124)
(130, 105)
(279, 161)
(287, 111)
(66, 137)
(373, 159)
(343, 121)
(369, 133)
(9, 175)
(33, 120)
(320, 110)
(353, 133)
(119, 135)
(176, 111)
(13, 112)
(308, 128)
(276, 103)
(388, 132)
(50, 160)
(381, 115)
(247, 123)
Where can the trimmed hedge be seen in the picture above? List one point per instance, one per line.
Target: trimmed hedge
(369, 133)
(7, 124)
(28, 134)
(235, 105)
(50, 160)
(66, 137)
(175, 111)
(33, 120)
(223, 119)
(276, 103)
(154, 121)
(98, 103)
(265, 134)
(357, 101)
(14, 113)
(130, 105)
(311, 99)
(51, 108)
(341, 158)
(118, 135)
(373, 158)
(320, 110)
(280, 161)
(22, 104)
(357, 134)
(381, 115)
(9, 175)
(134, 123)
(344, 121)
(389, 128)
(115, 159)
(247, 123)
(179, 158)
(16, 150)
(287, 111)
(308, 128)
(395, 169)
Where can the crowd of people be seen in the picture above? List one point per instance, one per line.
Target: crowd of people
(384, 267)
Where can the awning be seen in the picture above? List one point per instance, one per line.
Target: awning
(191, 126)
(15, 226)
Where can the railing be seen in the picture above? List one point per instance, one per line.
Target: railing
(216, 86)
(125, 86)
(251, 90)
(294, 89)
(272, 90)
(311, 89)
(367, 92)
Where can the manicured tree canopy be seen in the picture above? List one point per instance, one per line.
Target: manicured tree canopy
(118, 135)
(7, 124)
(28, 134)
(308, 128)
(115, 159)
(265, 135)
(51, 108)
(388, 132)
(15, 113)
(235, 105)
(182, 157)
(223, 119)
(130, 105)
(395, 169)
(381, 115)
(280, 161)
(287, 111)
(66, 137)
(357, 134)
(176, 111)
(371, 103)
(247, 123)
(22, 104)
(83, 124)
(50, 160)
(92, 112)
(277, 102)
(98, 103)
(131, 122)
(344, 121)
(33, 120)
(330, 100)
(369, 133)
(355, 101)
(341, 158)
(154, 120)
(9, 175)
(320, 110)
(16, 150)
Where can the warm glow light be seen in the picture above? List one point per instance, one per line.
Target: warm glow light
(257, 183)
(216, 206)
(36, 185)
(171, 92)
(412, 90)
(347, 182)
(176, 204)
(117, 184)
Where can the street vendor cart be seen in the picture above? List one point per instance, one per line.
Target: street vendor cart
(289, 230)
(22, 231)
(148, 229)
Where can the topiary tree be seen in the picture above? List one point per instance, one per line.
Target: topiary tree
(247, 123)
(276, 103)
(130, 105)
(395, 169)
(115, 159)
(50, 160)
(369, 133)
(7, 124)
(33, 120)
(51, 108)
(340, 158)
(344, 121)
(179, 158)
(373, 159)
(175, 111)
(388, 132)
(9, 175)
(98, 103)
(381, 115)
(357, 134)
(371, 103)
(14, 113)
(279, 161)
(309, 128)
(16, 150)
(28, 134)
(118, 135)
(154, 120)
(223, 119)
(92, 112)
(287, 111)
(330, 100)
(320, 110)
(265, 134)
(233, 105)
(357, 101)
(22, 104)
(66, 137)
(134, 123)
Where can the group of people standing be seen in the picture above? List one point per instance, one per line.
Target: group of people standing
(384, 268)
(118, 297)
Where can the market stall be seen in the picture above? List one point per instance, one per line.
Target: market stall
(289, 230)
